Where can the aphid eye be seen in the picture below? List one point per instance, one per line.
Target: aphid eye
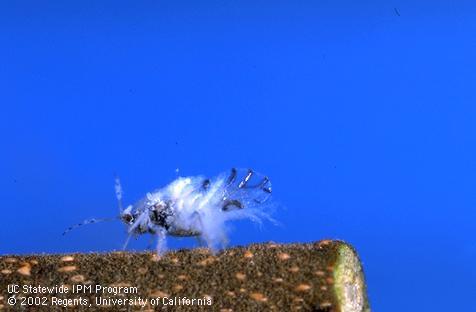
(127, 218)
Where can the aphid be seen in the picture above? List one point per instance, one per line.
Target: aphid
(195, 206)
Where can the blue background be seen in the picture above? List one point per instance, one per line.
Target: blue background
(362, 115)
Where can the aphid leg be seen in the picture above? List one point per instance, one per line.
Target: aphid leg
(246, 179)
(200, 241)
(151, 242)
(213, 237)
(161, 241)
(216, 242)
(198, 224)
(224, 239)
(126, 242)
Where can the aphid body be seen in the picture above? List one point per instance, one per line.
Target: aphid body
(197, 206)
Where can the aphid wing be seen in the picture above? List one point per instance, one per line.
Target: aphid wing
(244, 188)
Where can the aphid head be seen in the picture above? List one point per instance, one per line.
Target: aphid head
(126, 215)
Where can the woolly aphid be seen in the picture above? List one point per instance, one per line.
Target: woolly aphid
(196, 206)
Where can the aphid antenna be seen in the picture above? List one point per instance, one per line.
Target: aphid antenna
(89, 221)
(118, 189)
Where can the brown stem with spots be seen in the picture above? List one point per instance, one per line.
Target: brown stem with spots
(323, 276)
